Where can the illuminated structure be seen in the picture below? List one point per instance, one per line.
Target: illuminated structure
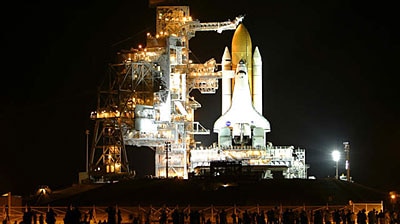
(146, 101)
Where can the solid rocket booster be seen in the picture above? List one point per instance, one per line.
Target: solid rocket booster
(227, 75)
(257, 81)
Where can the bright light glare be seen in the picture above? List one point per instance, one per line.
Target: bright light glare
(336, 155)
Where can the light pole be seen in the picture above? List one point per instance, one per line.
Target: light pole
(167, 148)
(87, 150)
(336, 157)
(347, 151)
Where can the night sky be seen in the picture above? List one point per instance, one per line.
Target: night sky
(329, 73)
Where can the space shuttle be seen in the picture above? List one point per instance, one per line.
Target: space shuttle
(241, 123)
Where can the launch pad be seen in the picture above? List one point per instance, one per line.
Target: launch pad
(146, 101)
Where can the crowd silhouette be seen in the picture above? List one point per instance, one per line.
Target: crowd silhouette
(275, 215)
